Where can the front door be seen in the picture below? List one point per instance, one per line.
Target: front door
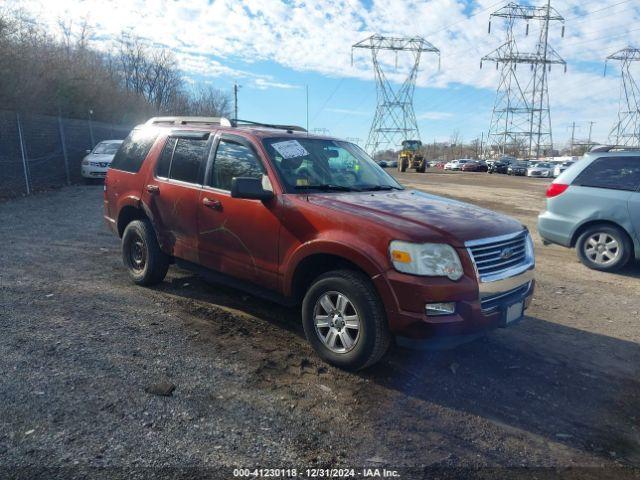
(238, 237)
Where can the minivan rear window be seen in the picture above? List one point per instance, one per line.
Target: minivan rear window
(134, 150)
(616, 173)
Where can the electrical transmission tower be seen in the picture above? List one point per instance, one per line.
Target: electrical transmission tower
(521, 120)
(395, 119)
(626, 131)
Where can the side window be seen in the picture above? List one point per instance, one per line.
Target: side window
(233, 160)
(164, 162)
(188, 159)
(617, 173)
(134, 150)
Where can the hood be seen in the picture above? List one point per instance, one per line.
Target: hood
(422, 216)
(100, 157)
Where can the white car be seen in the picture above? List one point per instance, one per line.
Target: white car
(455, 164)
(97, 161)
(542, 169)
(561, 167)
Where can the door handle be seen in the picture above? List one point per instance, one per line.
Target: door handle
(153, 189)
(214, 204)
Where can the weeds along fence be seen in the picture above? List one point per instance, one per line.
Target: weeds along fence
(38, 152)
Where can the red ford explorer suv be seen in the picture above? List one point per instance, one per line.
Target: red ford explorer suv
(313, 221)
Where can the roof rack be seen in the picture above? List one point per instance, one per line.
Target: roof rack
(237, 122)
(222, 121)
(608, 148)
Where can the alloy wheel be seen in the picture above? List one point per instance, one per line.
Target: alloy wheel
(337, 322)
(602, 249)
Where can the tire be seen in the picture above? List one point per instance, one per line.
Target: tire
(141, 254)
(596, 248)
(402, 167)
(369, 342)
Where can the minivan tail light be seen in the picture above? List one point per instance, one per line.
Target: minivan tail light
(556, 189)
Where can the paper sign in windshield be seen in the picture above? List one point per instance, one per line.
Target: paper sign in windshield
(290, 149)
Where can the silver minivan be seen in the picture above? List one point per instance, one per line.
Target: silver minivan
(594, 206)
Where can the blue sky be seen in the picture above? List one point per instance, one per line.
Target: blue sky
(274, 48)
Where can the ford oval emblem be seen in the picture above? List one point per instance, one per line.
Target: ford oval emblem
(506, 253)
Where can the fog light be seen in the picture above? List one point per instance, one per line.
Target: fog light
(447, 308)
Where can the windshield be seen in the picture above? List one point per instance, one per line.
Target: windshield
(411, 144)
(106, 148)
(543, 165)
(319, 164)
(520, 164)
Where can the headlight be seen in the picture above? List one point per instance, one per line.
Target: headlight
(428, 259)
(85, 162)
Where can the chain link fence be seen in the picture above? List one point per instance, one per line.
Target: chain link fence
(38, 152)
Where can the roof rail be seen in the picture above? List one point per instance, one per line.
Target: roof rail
(222, 121)
(237, 122)
(608, 148)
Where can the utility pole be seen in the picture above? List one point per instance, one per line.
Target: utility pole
(626, 131)
(521, 118)
(395, 119)
(590, 129)
(235, 100)
(573, 136)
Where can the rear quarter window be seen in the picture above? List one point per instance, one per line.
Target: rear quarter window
(616, 173)
(134, 150)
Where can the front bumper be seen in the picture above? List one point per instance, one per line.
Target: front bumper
(480, 305)
(90, 171)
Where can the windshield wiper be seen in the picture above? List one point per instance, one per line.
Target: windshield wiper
(327, 187)
(375, 188)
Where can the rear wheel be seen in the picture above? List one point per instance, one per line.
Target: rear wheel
(141, 254)
(604, 247)
(344, 320)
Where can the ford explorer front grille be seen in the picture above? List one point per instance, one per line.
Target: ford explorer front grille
(495, 257)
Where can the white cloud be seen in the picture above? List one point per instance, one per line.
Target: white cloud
(347, 111)
(434, 115)
(263, 83)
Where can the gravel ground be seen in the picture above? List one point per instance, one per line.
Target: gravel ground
(82, 348)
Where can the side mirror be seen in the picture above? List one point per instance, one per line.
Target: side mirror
(250, 188)
(88, 151)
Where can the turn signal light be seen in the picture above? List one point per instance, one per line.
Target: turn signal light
(556, 189)
(400, 256)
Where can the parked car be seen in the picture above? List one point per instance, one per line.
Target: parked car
(383, 163)
(500, 166)
(261, 208)
(392, 164)
(95, 164)
(439, 165)
(518, 168)
(540, 169)
(474, 166)
(561, 167)
(594, 206)
(456, 164)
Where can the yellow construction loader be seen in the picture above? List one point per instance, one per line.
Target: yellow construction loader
(411, 157)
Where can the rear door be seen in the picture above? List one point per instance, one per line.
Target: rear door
(238, 237)
(173, 190)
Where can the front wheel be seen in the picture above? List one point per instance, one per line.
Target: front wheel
(604, 247)
(146, 263)
(344, 320)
